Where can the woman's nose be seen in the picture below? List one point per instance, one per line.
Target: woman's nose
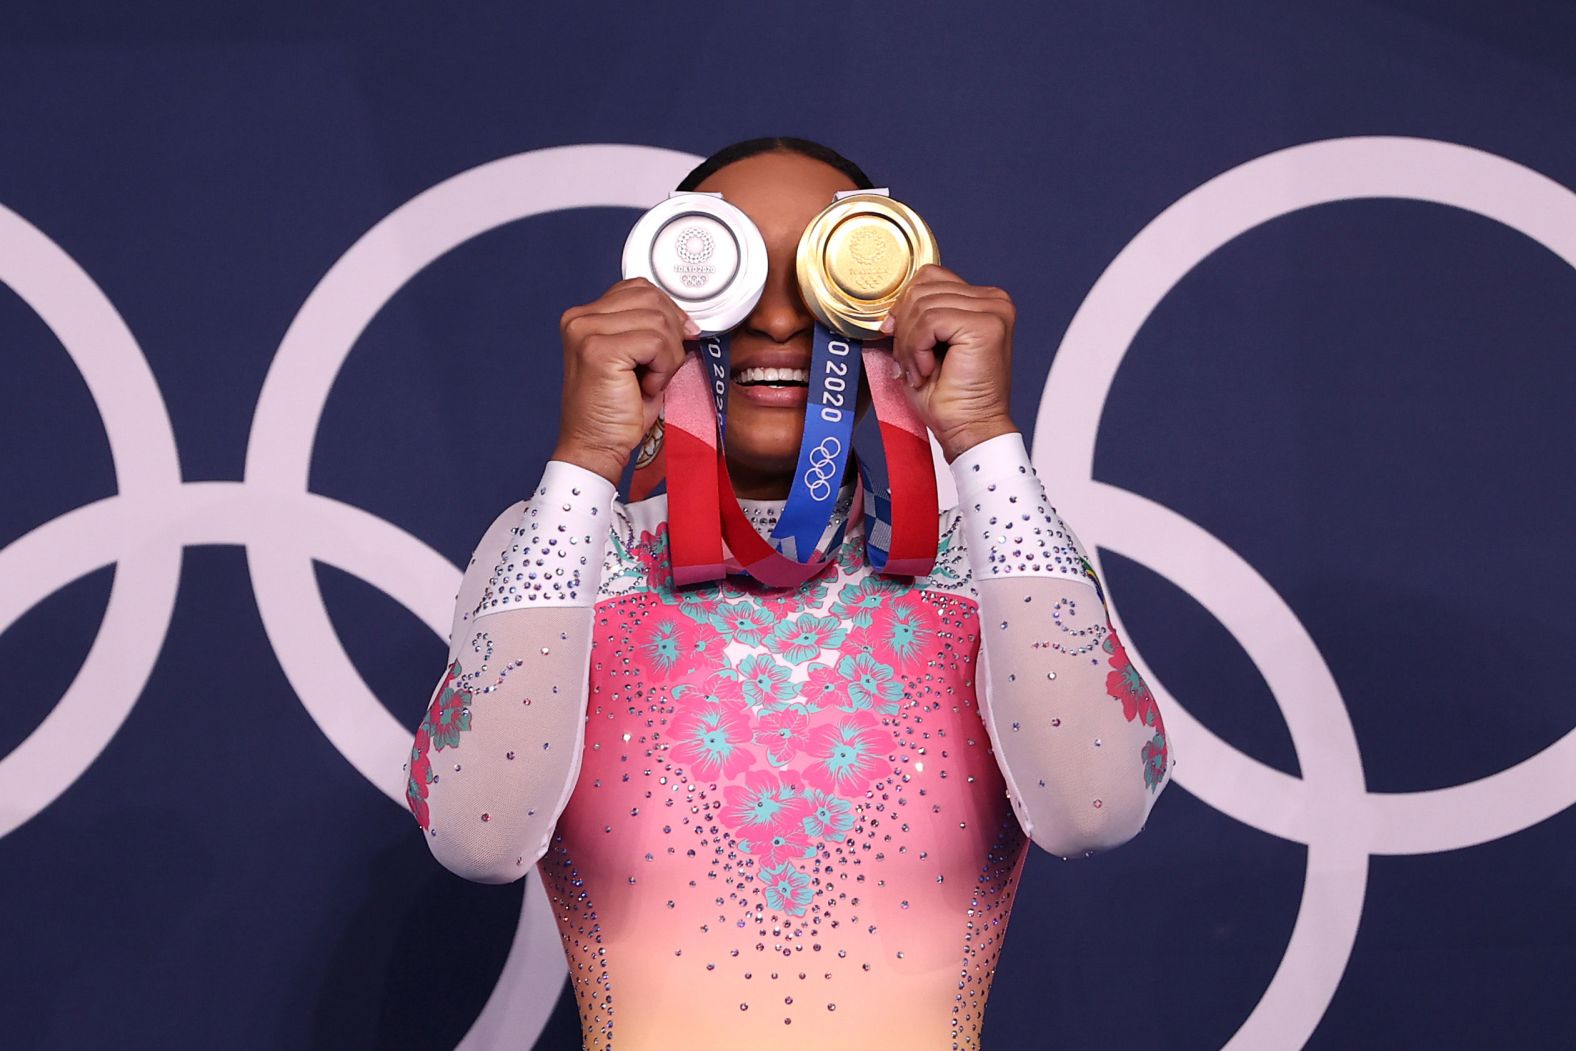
(780, 315)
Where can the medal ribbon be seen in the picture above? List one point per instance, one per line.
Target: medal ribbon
(825, 447)
(900, 533)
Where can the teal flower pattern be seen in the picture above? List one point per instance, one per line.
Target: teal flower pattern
(701, 602)
(830, 816)
(743, 622)
(851, 554)
(803, 638)
(764, 681)
(787, 889)
(856, 601)
(786, 602)
(450, 712)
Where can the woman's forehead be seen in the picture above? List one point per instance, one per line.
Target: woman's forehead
(780, 190)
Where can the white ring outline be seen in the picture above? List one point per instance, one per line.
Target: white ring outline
(1329, 808)
(45, 559)
(278, 461)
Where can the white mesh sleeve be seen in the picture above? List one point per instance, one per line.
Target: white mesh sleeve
(1077, 734)
(498, 751)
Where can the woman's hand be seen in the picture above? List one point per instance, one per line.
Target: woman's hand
(620, 351)
(961, 394)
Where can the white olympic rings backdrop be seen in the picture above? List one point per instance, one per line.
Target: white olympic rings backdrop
(143, 529)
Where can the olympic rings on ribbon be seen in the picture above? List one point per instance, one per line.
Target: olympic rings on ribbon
(823, 468)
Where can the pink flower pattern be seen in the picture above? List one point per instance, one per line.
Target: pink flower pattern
(710, 740)
(1125, 684)
(448, 716)
(847, 755)
(670, 645)
(652, 551)
(825, 688)
(782, 732)
(766, 800)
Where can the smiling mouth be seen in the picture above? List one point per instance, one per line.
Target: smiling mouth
(780, 378)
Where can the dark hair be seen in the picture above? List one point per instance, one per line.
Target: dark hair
(783, 143)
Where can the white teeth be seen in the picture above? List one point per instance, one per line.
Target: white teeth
(760, 375)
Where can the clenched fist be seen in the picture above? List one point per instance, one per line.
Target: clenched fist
(620, 351)
(962, 395)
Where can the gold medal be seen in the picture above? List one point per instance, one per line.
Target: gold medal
(856, 258)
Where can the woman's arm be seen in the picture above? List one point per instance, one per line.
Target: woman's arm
(1077, 734)
(498, 752)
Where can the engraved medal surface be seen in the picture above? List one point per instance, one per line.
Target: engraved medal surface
(856, 258)
(705, 253)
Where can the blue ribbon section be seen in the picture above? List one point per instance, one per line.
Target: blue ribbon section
(878, 523)
(825, 446)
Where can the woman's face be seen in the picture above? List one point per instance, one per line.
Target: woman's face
(781, 192)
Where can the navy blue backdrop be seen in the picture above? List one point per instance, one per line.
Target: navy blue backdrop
(1366, 400)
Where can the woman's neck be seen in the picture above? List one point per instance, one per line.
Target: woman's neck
(759, 485)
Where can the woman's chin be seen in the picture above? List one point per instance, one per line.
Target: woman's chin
(764, 429)
(763, 441)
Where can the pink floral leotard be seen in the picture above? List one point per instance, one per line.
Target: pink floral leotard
(782, 818)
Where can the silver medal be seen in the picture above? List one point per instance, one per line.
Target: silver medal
(705, 253)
